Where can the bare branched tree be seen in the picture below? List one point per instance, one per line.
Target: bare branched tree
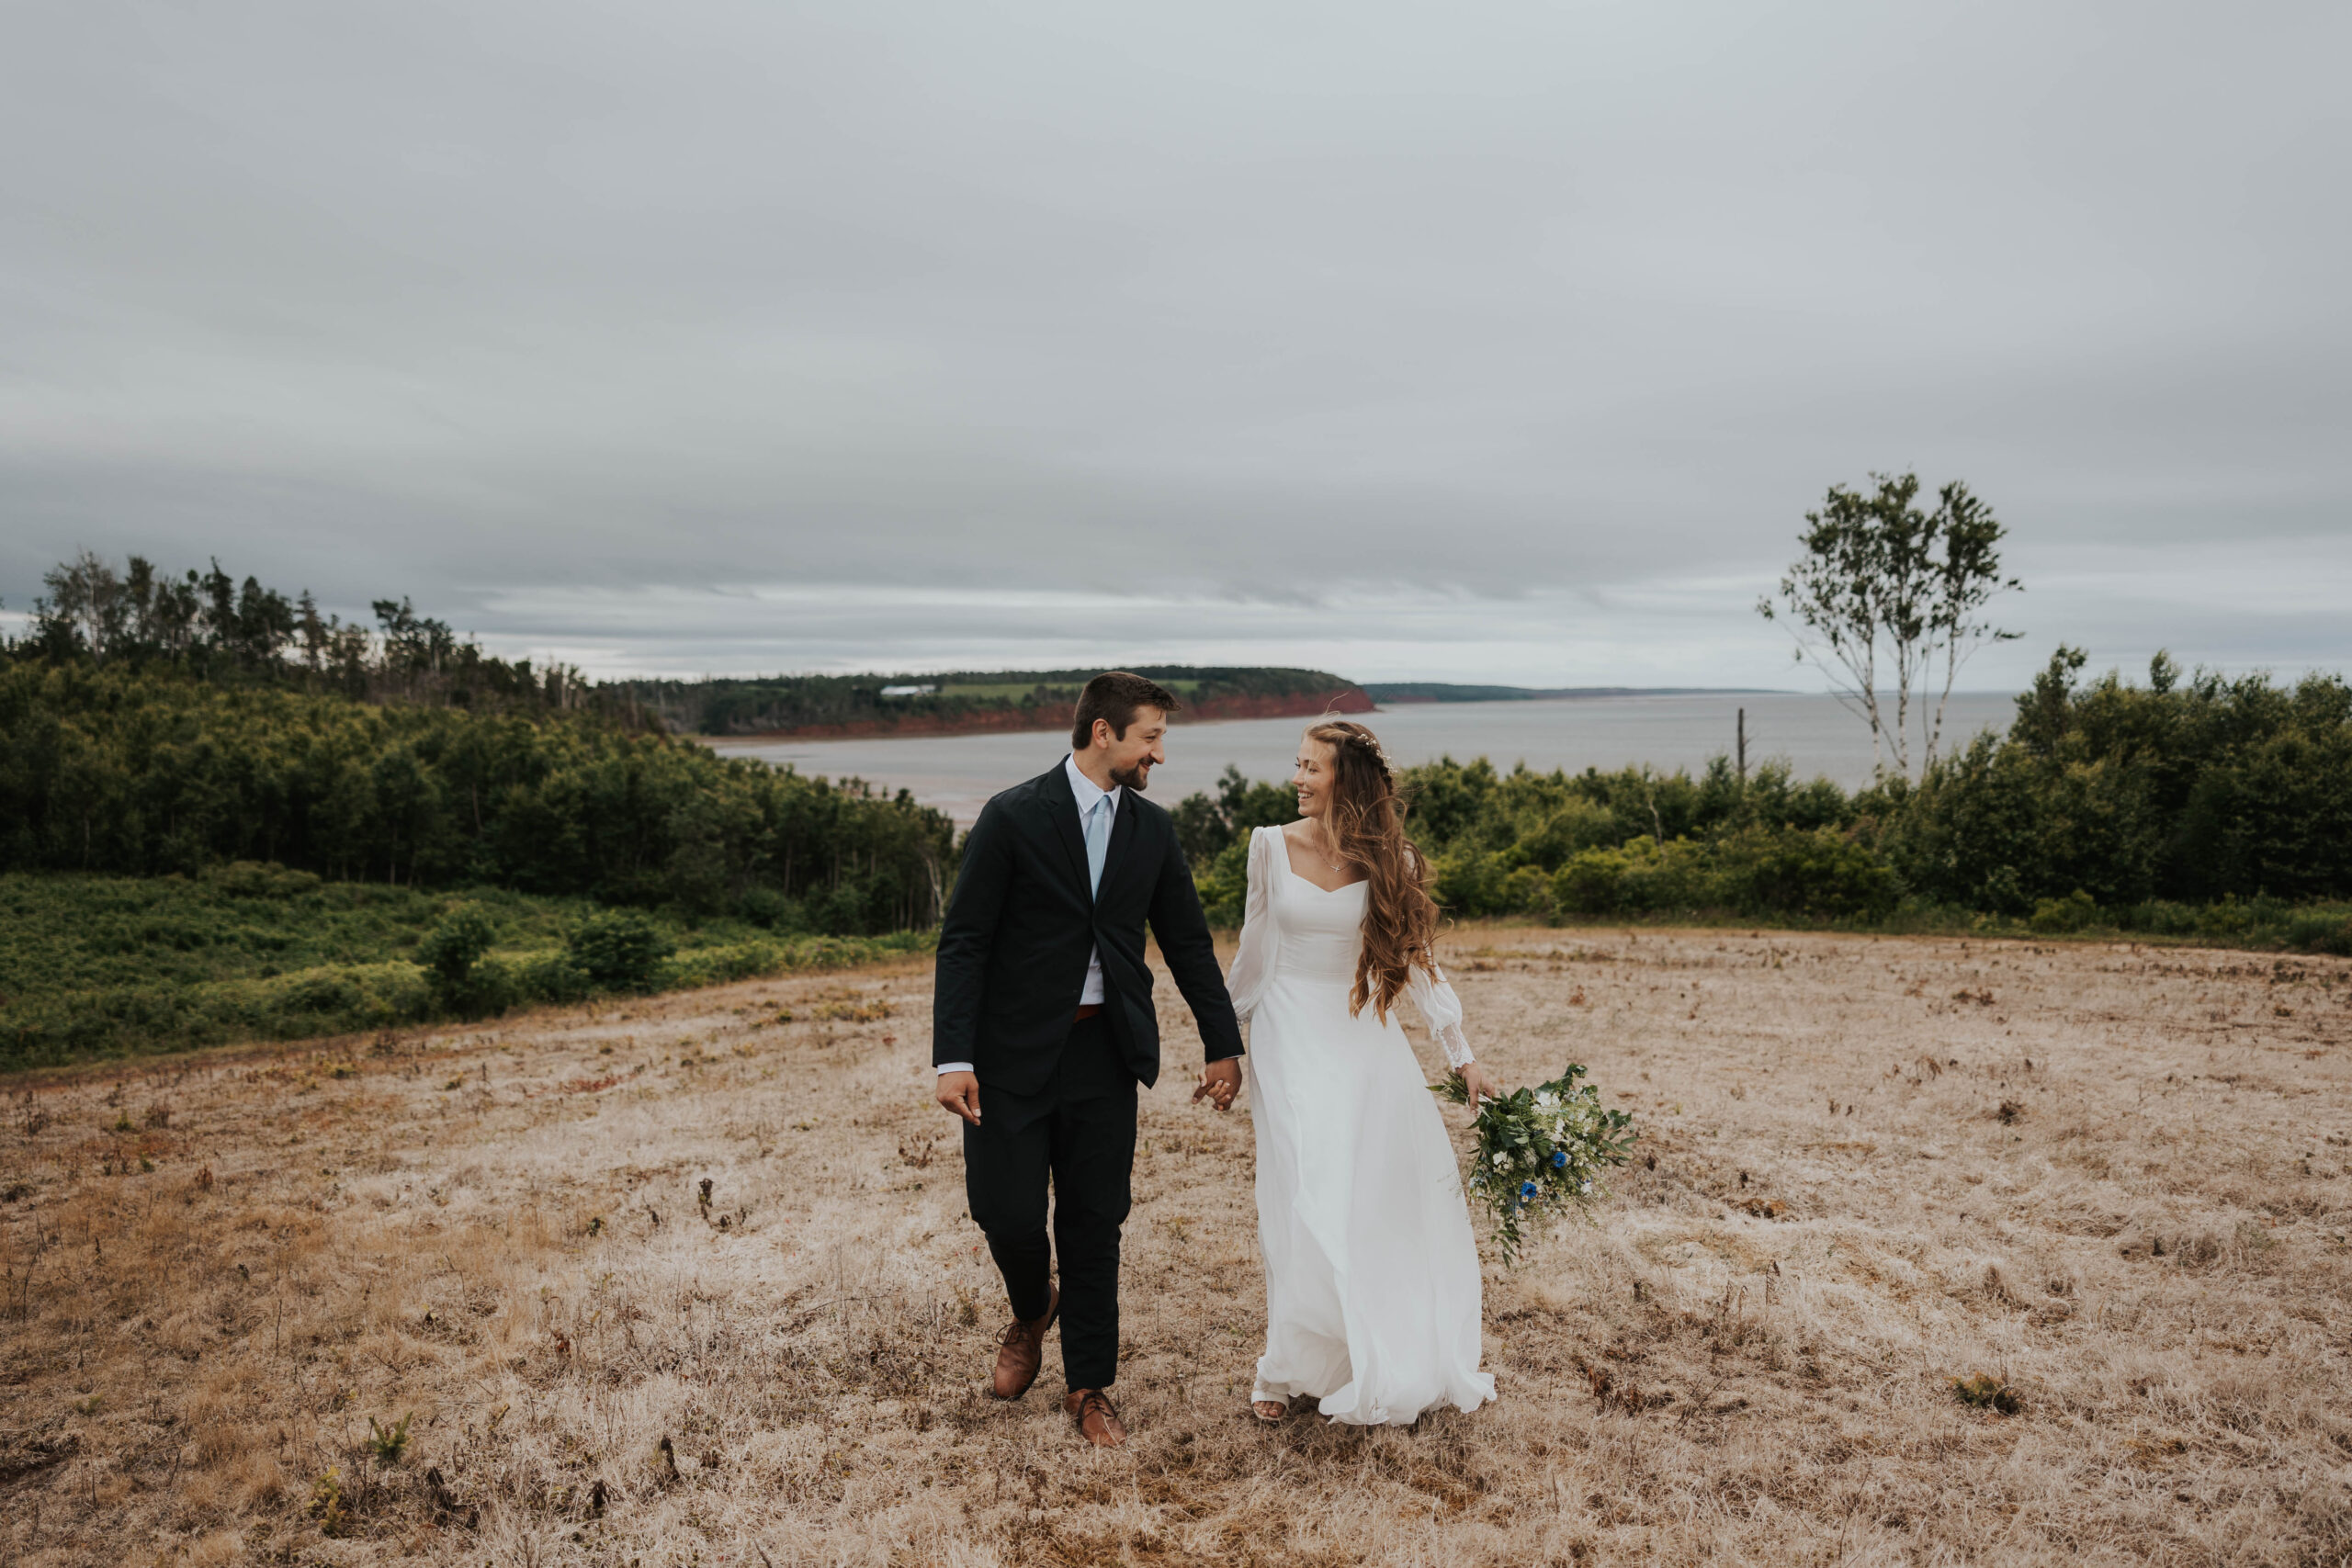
(1887, 591)
(86, 599)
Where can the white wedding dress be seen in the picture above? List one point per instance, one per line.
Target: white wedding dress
(1372, 1291)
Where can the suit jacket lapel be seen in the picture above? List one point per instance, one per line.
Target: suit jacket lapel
(1062, 806)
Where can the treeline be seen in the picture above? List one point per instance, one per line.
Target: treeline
(210, 627)
(785, 702)
(2206, 805)
(146, 770)
(2177, 791)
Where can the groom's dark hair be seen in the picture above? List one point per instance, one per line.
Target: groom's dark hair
(1116, 697)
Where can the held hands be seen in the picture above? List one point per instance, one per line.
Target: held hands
(1480, 1085)
(1220, 1081)
(960, 1093)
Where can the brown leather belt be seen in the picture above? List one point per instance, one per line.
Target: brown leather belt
(1088, 1009)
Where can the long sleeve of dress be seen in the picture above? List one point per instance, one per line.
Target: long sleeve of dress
(1441, 1010)
(1253, 966)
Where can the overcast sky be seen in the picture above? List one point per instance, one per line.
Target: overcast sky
(1463, 341)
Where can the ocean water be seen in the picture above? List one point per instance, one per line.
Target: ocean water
(1814, 735)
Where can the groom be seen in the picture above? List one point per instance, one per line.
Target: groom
(1043, 1000)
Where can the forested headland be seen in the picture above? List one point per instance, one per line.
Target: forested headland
(222, 738)
(824, 706)
(2201, 806)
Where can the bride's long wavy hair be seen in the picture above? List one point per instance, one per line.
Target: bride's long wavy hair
(1364, 824)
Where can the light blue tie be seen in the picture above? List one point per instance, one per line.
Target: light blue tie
(1098, 841)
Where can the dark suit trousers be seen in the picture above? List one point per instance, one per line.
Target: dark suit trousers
(1077, 1134)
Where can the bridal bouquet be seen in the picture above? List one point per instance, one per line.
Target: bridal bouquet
(1540, 1150)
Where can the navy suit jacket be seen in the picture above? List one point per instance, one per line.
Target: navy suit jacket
(1022, 921)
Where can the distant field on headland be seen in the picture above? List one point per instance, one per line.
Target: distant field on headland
(835, 708)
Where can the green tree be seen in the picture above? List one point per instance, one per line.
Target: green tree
(1887, 592)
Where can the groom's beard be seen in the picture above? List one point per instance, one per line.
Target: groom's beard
(1131, 777)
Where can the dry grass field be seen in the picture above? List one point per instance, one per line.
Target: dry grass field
(688, 1280)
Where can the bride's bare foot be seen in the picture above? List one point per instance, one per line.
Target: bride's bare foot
(1268, 1410)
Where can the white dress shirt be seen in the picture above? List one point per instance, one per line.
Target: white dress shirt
(1084, 788)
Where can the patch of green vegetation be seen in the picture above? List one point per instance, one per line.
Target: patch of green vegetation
(327, 1504)
(109, 967)
(1984, 1391)
(1023, 690)
(62, 933)
(2196, 809)
(390, 1442)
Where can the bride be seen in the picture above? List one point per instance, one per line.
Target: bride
(1372, 1277)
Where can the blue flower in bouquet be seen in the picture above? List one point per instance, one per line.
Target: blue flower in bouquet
(1527, 1189)
(1559, 1158)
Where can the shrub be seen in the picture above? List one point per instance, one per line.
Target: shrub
(1592, 883)
(2075, 912)
(452, 955)
(1225, 885)
(619, 950)
(716, 965)
(767, 907)
(262, 879)
(1823, 874)
(2159, 917)
(2321, 930)
(451, 949)
(322, 991)
(1640, 876)
(552, 977)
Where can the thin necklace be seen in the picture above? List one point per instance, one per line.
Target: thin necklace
(1327, 860)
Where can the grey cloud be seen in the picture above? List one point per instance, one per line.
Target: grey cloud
(1209, 321)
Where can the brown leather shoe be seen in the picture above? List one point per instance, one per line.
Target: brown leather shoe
(1023, 1347)
(1097, 1416)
